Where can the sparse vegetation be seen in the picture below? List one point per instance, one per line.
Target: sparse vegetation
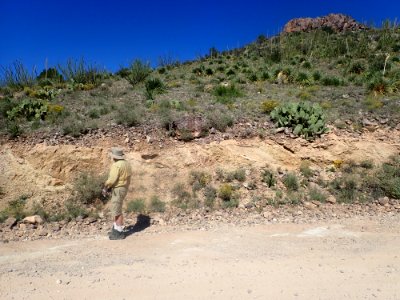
(87, 188)
(136, 206)
(156, 205)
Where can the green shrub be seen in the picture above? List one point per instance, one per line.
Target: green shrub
(182, 198)
(317, 195)
(231, 203)
(38, 209)
(137, 206)
(303, 78)
(51, 74)
(225, 192)
(15, 208)
(268, 178)
(268, 105)
(210, 194)
(154, 86)
(389, 177)
(138, 71)
(305, 169)
(239, 175)
(74, 209)
(199, 180)
(226, 94)
(367, 164)
(219, 119)
(357, 67)
(156, 205)
(345, 188)
(129, 115)
(13, 129)
(80, 73)
(291, 182)
(304, 118)
(87, 187)
(378, 84)
(331, 81)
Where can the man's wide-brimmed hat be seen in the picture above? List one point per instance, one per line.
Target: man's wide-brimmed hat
(117, 153)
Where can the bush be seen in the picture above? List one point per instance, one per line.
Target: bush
(154, 86)
(16, 208)
(386, 180)
(51, 74)
(225, 192)
(239, 175)
(199, 180)
(345, 189)
(210, 194)
(17, 76)
(182, 198)
(81, 73)
(220, 119)
(226, 94)
(268, 178)
(74, 209)
(378, 84)
(87, 187)
(304, 118)
(156, 205)
(129, 115)
(291, 183)
(268, 105)
(138, 72)
(317, 195)
(305, 169)
(331, 81)
(137, 206)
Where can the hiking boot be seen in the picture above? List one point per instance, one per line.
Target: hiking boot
(116, 235)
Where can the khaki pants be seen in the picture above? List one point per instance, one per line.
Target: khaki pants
(117, 199)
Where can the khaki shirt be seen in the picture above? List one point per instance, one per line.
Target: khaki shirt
(120, 174)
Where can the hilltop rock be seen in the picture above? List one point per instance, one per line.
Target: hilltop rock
(334, 22)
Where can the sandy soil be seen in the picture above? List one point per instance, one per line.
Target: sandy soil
(357, 259)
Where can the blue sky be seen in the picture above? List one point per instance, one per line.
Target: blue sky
(113, 33)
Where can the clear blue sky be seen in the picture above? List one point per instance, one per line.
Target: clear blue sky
(112, 33)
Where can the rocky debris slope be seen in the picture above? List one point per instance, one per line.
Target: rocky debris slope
(199, 219)
(334, 22)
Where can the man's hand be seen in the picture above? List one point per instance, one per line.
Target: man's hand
(105, 192)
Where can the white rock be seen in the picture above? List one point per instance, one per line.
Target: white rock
(36, 219)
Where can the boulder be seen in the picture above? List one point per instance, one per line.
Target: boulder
(333, 22)
(36, 219)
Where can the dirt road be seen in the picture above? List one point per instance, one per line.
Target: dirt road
(357, 259)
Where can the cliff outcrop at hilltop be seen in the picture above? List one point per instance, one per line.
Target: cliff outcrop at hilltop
(334, 22)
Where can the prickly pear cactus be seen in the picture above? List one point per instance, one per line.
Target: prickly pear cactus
(304, 118)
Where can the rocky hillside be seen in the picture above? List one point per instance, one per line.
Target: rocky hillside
(333, 22)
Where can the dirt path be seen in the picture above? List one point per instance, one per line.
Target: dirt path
(357, 259)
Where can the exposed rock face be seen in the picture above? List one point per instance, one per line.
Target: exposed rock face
(334, 22)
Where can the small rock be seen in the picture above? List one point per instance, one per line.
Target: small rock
(59, 281)
(331, 199)
(309, 205)
(383, 201)
(267, 215)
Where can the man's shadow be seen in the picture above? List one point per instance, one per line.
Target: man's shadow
(142, 222)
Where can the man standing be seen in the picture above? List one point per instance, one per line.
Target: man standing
(118, 180)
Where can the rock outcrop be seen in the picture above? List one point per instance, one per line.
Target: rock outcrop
(333, 22)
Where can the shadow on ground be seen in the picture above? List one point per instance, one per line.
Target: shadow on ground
(142, 222)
